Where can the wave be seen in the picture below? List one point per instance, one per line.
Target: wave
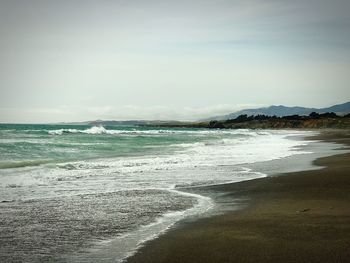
(102, 130)
(19, 164)
(92, 130)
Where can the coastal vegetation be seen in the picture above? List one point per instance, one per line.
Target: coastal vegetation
(312, 121)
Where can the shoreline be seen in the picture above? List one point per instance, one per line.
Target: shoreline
(251, 233)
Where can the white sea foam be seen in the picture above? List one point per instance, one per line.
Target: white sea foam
(102, 130)
(159, 170)
(212, 161)
(130, 242)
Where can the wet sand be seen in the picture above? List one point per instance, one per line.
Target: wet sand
(295, 217)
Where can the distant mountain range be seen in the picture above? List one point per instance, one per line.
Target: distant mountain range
(278, 111)
(281, 111)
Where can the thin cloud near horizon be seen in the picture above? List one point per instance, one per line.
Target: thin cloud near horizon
(125, 113)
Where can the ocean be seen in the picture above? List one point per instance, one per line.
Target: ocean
(76, 193)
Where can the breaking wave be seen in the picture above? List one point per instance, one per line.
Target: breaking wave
(102, 130)
(92, 130)
(19, 164)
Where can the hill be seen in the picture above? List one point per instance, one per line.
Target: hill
(281, 111)
(328, 120)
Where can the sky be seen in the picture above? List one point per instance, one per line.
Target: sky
(81, 60)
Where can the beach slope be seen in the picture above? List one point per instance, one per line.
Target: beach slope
(294, 217)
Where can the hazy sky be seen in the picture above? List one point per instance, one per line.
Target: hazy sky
(159, 59)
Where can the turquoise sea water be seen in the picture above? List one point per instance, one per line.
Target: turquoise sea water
(25, 145)
(76, 193)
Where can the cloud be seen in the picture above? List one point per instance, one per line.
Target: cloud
(125, 112)
(175, 53)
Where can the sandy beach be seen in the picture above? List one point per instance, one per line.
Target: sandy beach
(294, 217)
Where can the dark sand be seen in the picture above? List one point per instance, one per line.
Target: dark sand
(295, 217)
